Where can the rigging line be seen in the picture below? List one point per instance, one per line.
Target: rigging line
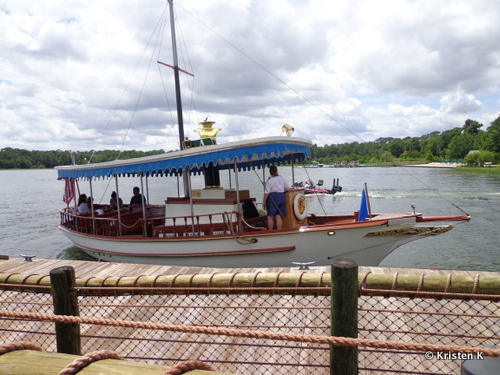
(166, 96)
(315, 194)
(291, 88)
(144, 82)
(273, 75)
(294, 90)
(158, 25)
(437, 191)
(164, 22)
(105, 190)
(91, 156)
(185, 56)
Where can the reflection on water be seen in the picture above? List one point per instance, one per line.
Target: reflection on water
(29, 215)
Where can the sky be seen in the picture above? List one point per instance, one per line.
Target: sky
(79, 75)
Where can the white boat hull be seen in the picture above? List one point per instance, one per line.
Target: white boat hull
(366, 244)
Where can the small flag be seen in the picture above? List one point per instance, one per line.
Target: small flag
(363, 208)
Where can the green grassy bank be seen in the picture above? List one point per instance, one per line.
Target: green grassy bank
(493, 171)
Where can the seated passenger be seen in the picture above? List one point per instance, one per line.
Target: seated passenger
(82, 207)
(138, 198)
(114, 202)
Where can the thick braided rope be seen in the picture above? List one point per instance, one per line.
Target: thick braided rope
(87, 359)
(19, 345)
(185, 366)
(330, 340)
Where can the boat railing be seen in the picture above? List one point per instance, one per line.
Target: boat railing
(203, 225)
(129, 222)
(99, 225)
(155, 225)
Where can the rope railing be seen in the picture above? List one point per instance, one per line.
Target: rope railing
(302, 338)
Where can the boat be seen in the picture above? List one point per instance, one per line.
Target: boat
(314, 164)
(344, 164)
(311, 188)
(217, 226)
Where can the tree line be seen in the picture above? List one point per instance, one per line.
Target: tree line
(23, 159)
(453, 144)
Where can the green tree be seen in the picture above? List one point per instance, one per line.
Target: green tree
(432, 146)
(448, 135)
(479, 158)
(387, 157)
(430, 135)
(492, 140)
(397, 147)
(411, 144)
(460, 146)
(472, 127)
(411, 155)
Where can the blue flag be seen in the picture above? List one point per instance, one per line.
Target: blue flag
(363, 208)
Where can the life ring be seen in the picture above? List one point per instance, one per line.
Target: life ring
(300, 206)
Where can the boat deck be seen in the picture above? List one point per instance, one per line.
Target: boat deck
(458, 322)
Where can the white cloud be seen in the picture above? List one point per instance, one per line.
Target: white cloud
(73, 73)
(459, 102)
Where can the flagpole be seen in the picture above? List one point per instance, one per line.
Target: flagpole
(368, 201)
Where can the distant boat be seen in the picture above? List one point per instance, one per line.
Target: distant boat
(344, 164)
(310, 188)
(314, 164)
(216, 226)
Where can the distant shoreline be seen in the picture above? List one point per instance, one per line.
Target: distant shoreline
(437, 165)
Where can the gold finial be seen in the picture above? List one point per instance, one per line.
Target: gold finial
(288, 129)
(207, 131)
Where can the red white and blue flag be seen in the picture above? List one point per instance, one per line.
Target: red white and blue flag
(69, 193)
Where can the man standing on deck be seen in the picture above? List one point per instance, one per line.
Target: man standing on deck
(274, 198)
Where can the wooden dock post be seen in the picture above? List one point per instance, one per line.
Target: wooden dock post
(65, 300)
(344, 359)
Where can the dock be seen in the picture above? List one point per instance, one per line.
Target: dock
(87, 269)
(440, 318)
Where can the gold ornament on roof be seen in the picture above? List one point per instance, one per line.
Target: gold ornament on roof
(287, 129)
(207, 131)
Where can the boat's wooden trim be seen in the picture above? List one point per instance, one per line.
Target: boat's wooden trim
(205, 201)
(199, 254)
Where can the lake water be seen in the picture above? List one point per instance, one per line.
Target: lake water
(29, 211)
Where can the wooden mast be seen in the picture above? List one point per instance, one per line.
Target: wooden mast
(211, 171)
(178, 100)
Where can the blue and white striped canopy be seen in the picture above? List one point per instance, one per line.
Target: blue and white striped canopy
(251, 154)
